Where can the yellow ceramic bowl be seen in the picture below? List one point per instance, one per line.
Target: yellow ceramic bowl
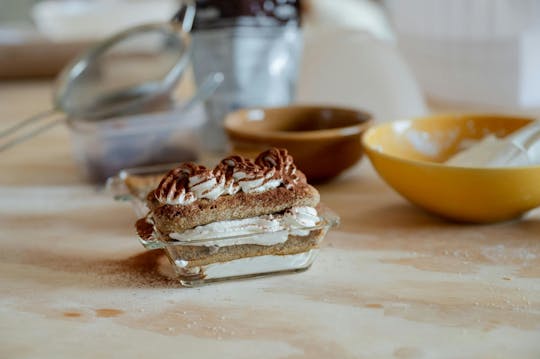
(324, 141)
(409, 156)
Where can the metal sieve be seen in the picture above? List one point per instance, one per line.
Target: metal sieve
(131, 72)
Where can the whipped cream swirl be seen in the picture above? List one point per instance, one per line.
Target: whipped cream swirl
(189, 182)
(280, 161)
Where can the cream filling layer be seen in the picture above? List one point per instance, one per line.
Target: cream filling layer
(263, 230)
(252, 265)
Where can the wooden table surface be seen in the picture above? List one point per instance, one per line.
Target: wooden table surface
(390, 282)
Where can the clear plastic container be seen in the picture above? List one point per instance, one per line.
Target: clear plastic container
(102, 148)
(228, 255)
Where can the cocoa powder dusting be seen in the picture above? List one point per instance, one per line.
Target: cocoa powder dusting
(137, 271)
(72, 314)
(108, 312)
(374, 305)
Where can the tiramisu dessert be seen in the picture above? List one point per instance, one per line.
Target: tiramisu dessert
(240, 218)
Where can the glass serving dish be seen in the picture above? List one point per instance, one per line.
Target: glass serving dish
(133, 184)
(226, 255)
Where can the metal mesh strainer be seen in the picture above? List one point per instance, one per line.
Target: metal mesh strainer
(130, 72)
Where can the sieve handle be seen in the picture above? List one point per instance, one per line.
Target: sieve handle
(185, 15)
(24, 130)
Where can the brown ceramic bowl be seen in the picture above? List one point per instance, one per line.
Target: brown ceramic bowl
(324, 141)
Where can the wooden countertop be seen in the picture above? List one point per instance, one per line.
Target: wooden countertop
(390, 282)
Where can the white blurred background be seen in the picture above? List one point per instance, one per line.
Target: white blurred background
(391, 57)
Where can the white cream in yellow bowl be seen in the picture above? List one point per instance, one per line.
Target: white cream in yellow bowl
(410, 156)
